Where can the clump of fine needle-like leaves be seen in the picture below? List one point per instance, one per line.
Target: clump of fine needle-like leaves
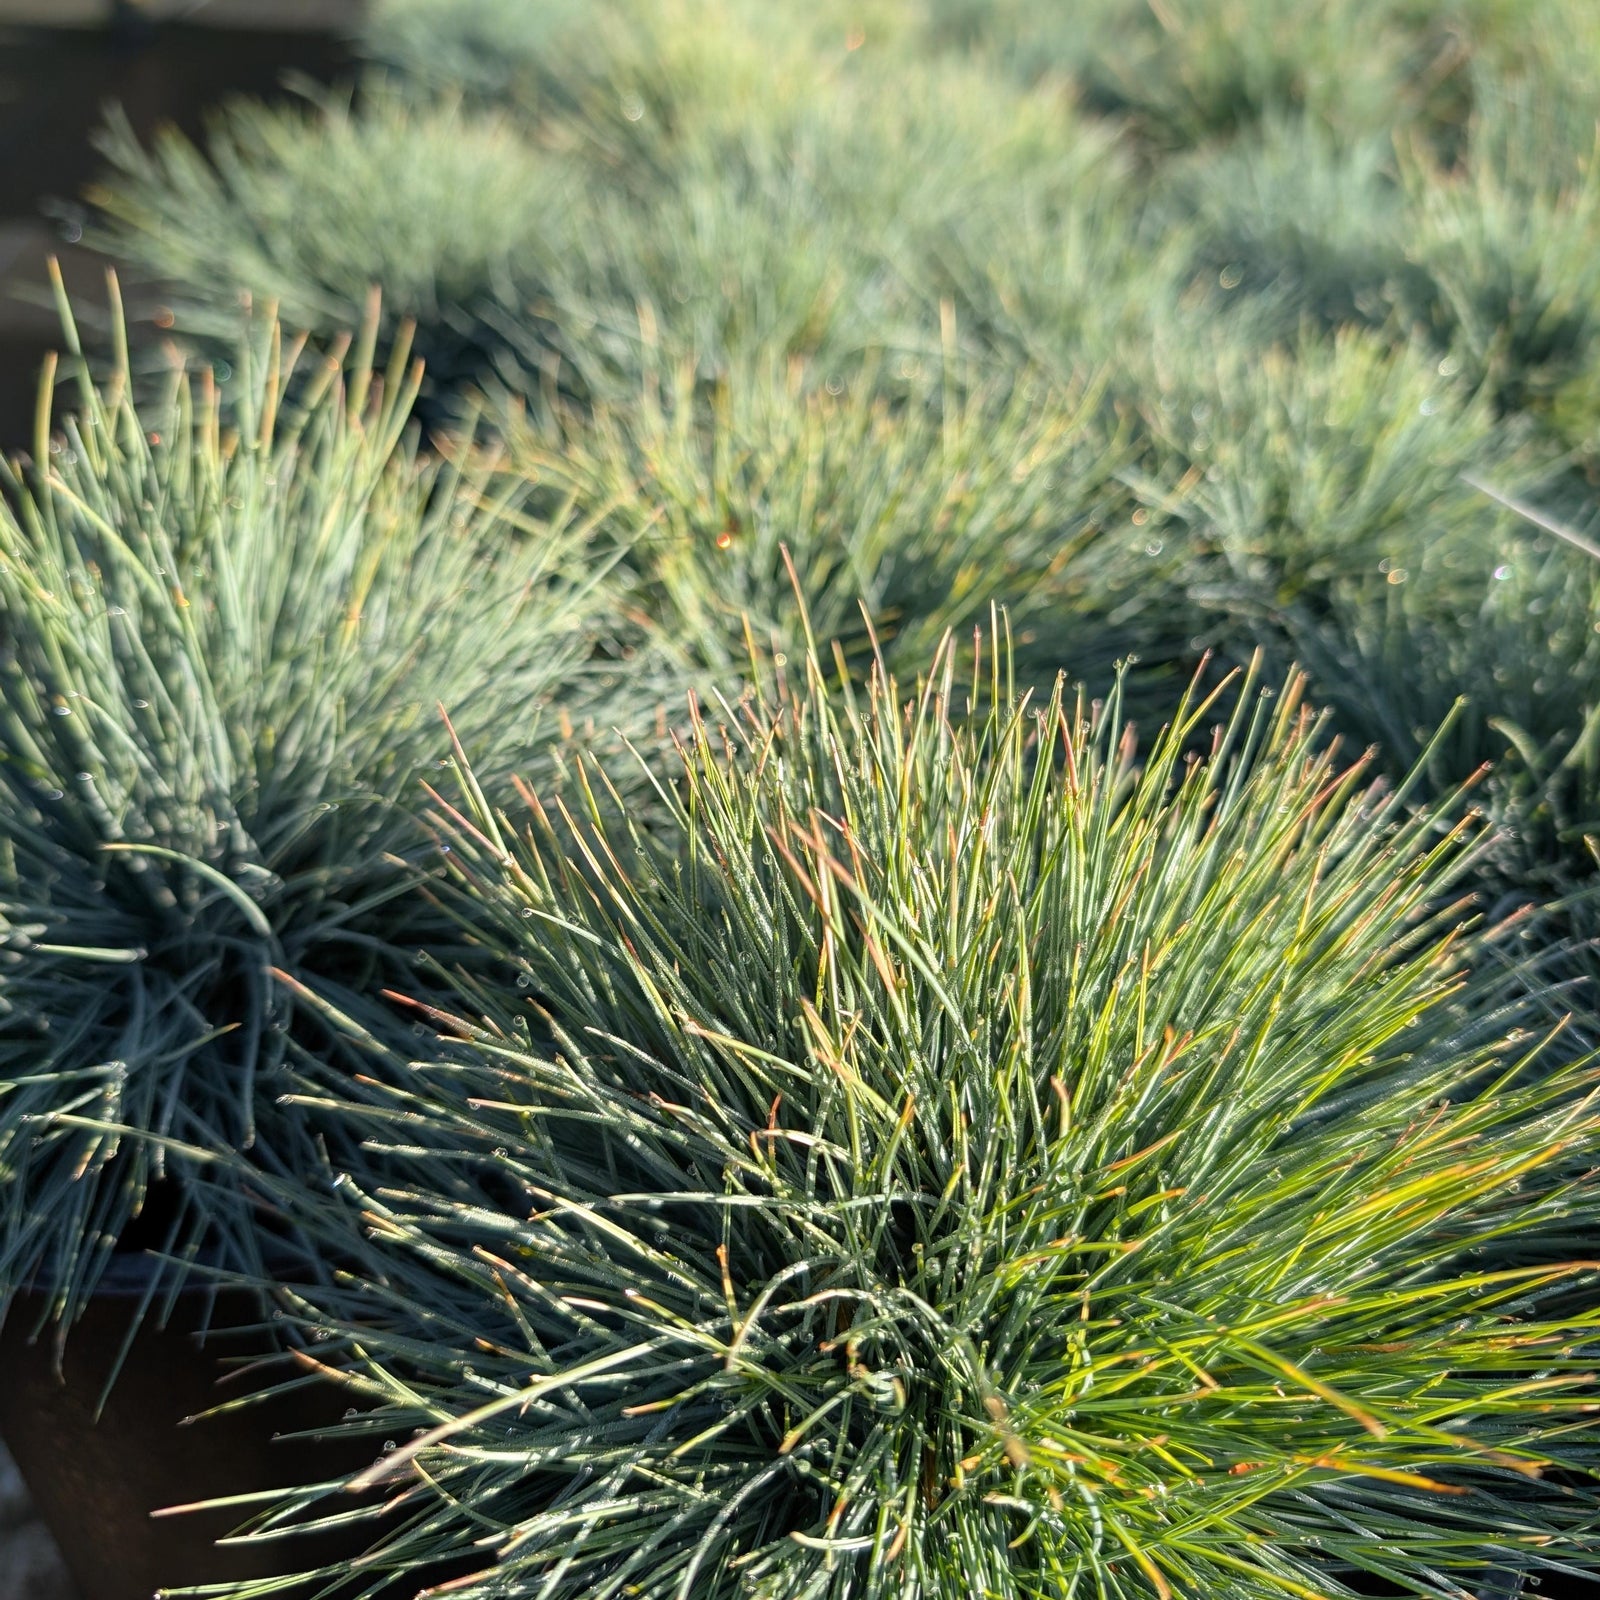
(922, 499)
(226, 622)
(971, 1156)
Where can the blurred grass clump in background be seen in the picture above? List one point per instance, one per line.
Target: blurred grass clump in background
(886, 499)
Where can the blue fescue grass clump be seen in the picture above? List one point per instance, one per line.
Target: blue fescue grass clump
(1183, 75)
(965, 1152)
(229, 619)
(791, 201)
(305, 207)
(911, 493)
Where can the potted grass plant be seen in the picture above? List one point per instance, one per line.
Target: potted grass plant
(229, 617)
(968, 1153)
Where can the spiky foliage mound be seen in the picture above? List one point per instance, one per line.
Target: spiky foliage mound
(1362, 508)
(827, 223)
(1326, 467)
(1300, 225)
(1506, 627)
(972, 1158)
(915, 491)
(501, 49)
(626, 77)
(515, 261)
(229, 619)
(796, 202)
(1484, 246)
(1506, 241)
(1184, 74)
(1348, 509)
(448, 210)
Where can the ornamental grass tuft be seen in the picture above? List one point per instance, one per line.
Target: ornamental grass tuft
(228, 620)
(913, 491)
(970, 1155)
(446, 207)
(819, 210)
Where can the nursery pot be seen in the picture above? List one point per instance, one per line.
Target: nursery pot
(96, 1482)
